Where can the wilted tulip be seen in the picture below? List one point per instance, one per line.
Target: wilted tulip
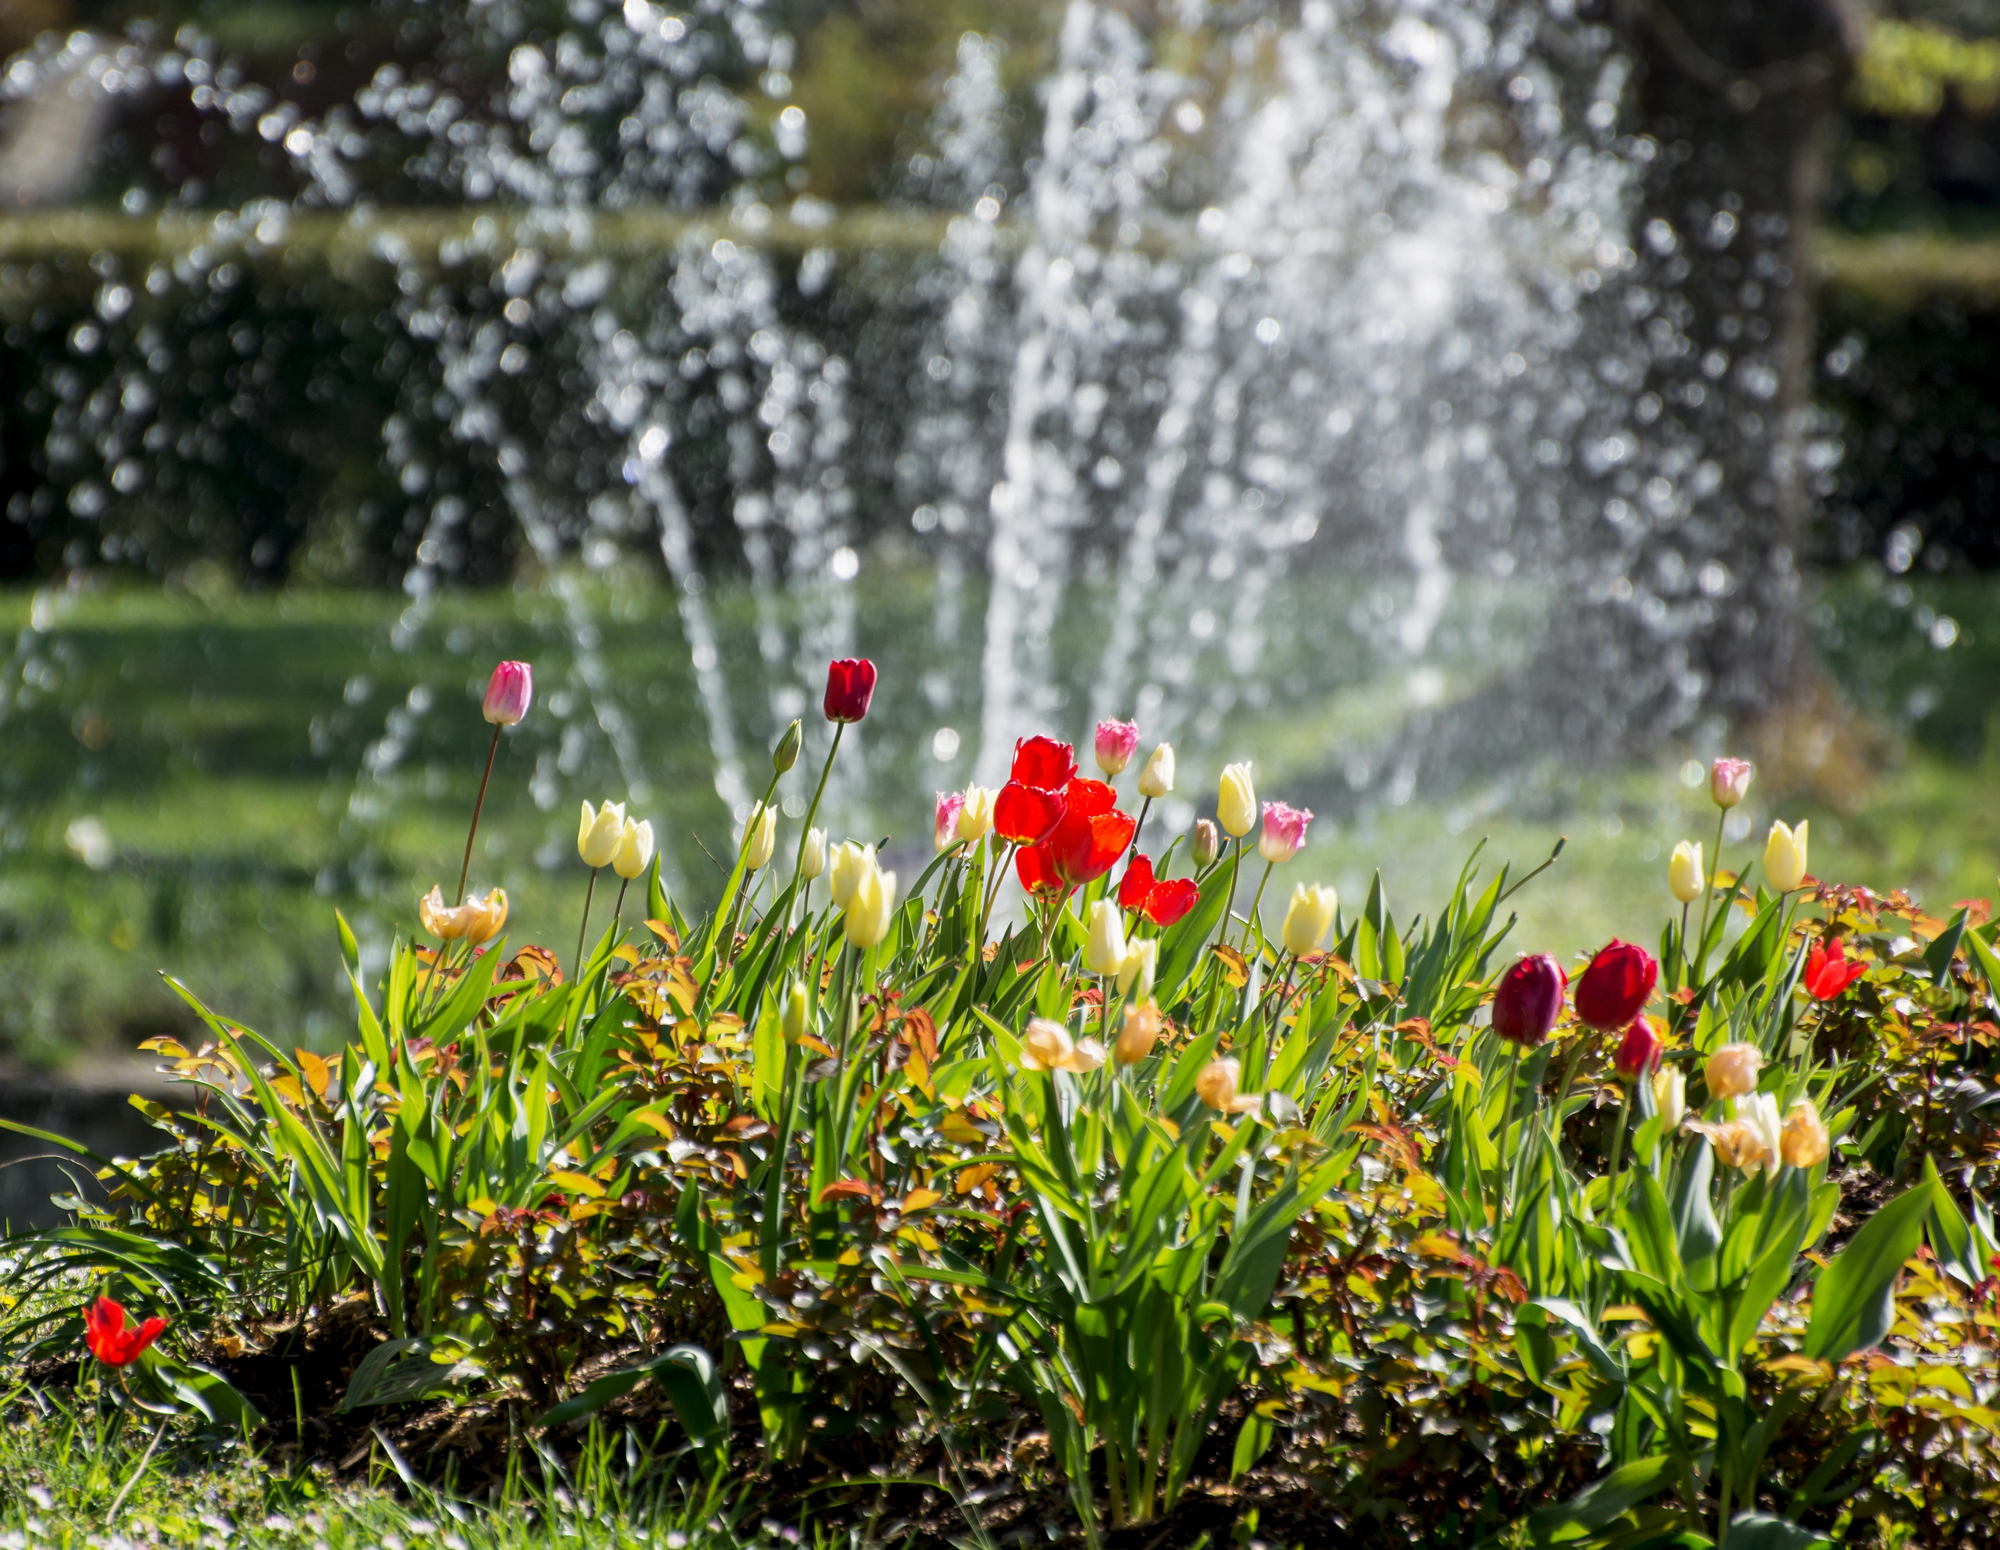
(975, 816)
(1309, 917)
(635, 849)
(1137, 1035)
(1157, 778)
(944, 826)
(111, 1340)
(1104, 952)
(1737, 1144)
(1136, 970)
(850, 685)
(1803, 1140)
(1528, 1000)
(795, 1012)
(441, 920)
(786, 754)
(812, 861)
(1638, 1052)
(600, 834)
(1087, 1056)
(1284, 832)
(1217, 1086)
(1670, 1096)
(760, 837)
(1758, 1113)
(1206, 845)
(484, 915)
(1117, 741)
(850, 863)
(1236, 801)
(509, 692)
(1685, 877)
(1728, 780)
(1785, 857)
(1045, 1045)
(1616, 986)
(1732, 1070)
(873, 906)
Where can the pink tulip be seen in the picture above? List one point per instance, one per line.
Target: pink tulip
(508, 693)
(945, 831)
(1284, 832)
(1728, 779)
(1117, 741)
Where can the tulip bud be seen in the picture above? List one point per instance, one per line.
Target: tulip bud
(795, 1012)
(600, 834)
(1728, 780)
(851, 862)
(1137, 1035)
(1207, 844)
(1685, 877)
(1803, 1140)
(441, 920)
(635, 849)
(1045, 1045)
(1309, 917)
(1732, 1070)
(1785, 857)
(1284, 832)
(874, 905)
(813, 861)
(1528, 1000)
(508, 693)
(1638, 1052)
(485, 915)
(1670, 1096)
(1136, 971)
(1616, 986)
(1116, 742)
(1105, 951)
(1157, 778)
(944, 827)
(975, 818)
(786, 754)
(760, 837)
(1236, 802)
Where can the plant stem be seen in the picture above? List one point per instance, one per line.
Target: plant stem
(1708, 897)
(1506, 1172)
(992, 893)
(618, 909)
(465, 871)
(1235, 870)
(1618, 1145)
(111, 1512)
(1139, 828)
(583, 929)
(1251, 924)
(805, 829)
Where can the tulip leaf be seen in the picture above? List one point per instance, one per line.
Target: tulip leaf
(1938, 956)
(1949, 1233)
(1601, 1503)
(1853, 1302)
(1761, 1531)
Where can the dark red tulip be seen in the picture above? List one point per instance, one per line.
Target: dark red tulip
(1043, 762)
(1529, 999)
(1038, 878)
(850, 685)
(1161, 901)
(1613, 990)
(1026, 814)
(1638, 1052)
(111, 1340)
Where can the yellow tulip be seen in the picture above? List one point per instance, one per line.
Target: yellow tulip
(1685, 877)
(1236, 803)
(441, 920)
(1104, 953)
(813, 862)
(795, 1012)
(1216, 1085)
(484, 914)
(850, 862)
(760, 836)
(1732, 1070)
(869, 912)
(1157, 778)
(1141, 963)
(1785, 857)
(1803, 1140)
(1045, 1045)
(600, 834)
(635, 849)
(1309, 917)
(1670, 1096)
(1139, 1032)
(1759, 1113)
(975, 819)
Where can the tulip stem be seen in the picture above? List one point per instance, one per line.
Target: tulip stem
(805, 830)
(466, 871)
(1505, 1170)
(583, 929)
(992, 893)
(1256, 899)
(1235, 870)
(111, 1512)
(1708, 895)
(1618, 1144)
(618, 909)
(1139, 828)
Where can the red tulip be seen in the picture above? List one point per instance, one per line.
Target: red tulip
(1162, 902)
(1026, 814)
(1829, 971)
(850, 685)
(1091, 835)
(1038, 877)
(111, 1340)
(1611, 992)
(1043, 762)
(1638, 1052)
(1529, 999)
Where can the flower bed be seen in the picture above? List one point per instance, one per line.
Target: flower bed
(1138, 1211)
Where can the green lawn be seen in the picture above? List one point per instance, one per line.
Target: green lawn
(181, 784)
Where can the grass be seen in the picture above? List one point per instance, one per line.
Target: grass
(182, 785)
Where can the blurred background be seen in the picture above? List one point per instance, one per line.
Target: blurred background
(1480, 413)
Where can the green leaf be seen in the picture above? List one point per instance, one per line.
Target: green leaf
(687, 1376)
(1761, 1531)
(1853, 1302)
(350, 949)
(1600, 1504)
(1252, 1440)
(1950, 1234)
(394, 1372)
